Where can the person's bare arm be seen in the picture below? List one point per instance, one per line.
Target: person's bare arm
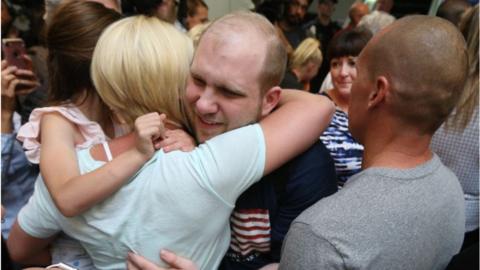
(73, 193)
(26, 249)
(294, 126)
(175, 139)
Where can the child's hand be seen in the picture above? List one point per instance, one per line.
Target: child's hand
(176, 139)
(149, 128)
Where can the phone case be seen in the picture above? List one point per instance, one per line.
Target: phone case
(14, 49)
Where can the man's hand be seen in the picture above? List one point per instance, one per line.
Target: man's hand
(149, 129)
(177, 139)
(137, 262)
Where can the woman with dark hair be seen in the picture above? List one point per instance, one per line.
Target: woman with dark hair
(342, 53)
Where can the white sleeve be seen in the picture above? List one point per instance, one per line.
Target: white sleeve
(39, 217)
(232, 162)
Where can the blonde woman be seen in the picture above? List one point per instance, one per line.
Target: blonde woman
(303, 65)
(196, 32)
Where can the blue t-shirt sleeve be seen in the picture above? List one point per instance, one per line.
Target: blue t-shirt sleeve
(39, 216)
(232, 162)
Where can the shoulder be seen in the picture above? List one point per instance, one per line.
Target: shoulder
(54, 124)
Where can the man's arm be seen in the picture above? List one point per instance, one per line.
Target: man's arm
(294, 126)
(37, 252)
(303, 249)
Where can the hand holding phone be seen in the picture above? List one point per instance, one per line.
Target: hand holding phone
(17, 81)
(15, 53)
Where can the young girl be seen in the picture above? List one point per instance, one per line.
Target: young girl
(77, 119)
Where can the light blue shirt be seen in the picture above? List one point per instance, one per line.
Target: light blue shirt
(180, 201)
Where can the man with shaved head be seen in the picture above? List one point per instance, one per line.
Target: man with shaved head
(405, 209)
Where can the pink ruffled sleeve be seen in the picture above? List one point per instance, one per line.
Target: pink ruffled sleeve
(29, 132)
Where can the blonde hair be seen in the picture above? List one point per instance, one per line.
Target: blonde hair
(196, 32)
(307, 51)
(141, 65)
(468, 102)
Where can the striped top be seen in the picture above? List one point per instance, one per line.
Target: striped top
(250, 231)
(345, 151)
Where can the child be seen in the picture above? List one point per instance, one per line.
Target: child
(77, 119)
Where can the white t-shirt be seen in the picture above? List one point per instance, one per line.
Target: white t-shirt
(180, 201)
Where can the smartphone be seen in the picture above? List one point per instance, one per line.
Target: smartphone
(14, 51)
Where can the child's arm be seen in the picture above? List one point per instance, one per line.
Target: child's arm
(175, 139)
(73, 193)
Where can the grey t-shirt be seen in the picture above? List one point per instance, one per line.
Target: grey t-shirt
(382, 219)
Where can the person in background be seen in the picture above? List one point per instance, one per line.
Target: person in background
(323, 28)
(457, 141)
(405, 209)
(376, 21)
(384, 5)
(303, 65)
(289, 27)
(356, 13)
(165, 10)
(51, 5)
(18, 175)
(342, 55)
(197, 13)
(452, 10)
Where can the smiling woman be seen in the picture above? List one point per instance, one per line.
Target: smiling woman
(342, 54)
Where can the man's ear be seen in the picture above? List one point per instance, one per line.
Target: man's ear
(270, 100)
(378, 94)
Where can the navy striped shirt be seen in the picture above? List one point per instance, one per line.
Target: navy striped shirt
(345, 151)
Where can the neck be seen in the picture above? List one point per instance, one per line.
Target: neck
(395, 147)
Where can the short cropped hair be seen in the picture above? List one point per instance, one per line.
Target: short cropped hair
(426, 80)
(348, 43)
(275, 61)
(141, 65)
(307, 51)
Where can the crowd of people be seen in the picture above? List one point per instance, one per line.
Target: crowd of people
(147, 137)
